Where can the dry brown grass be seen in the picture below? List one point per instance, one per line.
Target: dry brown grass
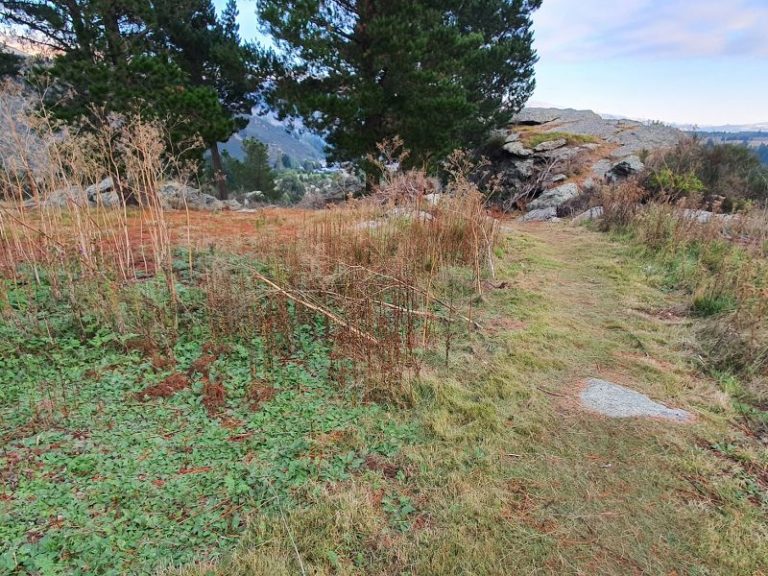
(384, 277)
(721, 262)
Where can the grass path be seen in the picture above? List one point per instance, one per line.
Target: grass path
(509, 476)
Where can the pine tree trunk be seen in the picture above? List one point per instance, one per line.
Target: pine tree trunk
(219, 177)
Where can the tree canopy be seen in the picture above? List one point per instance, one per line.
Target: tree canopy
(173, 59)
(438, 73)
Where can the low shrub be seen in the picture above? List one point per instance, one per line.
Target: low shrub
(693, 169)
(533, 139)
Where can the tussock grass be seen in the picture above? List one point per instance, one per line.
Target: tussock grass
(376, 273)
(533, 139)
(721, 264)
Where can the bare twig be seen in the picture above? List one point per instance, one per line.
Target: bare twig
(316, 308)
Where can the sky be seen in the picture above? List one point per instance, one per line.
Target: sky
(699, 62)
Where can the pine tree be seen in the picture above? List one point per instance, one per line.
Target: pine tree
(253, 172)
(211, 52)
(438, 73)
(169, 59)
(10, 64)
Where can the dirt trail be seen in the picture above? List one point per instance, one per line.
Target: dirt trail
(615, 496)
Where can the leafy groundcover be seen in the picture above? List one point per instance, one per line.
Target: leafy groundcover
(116, 462)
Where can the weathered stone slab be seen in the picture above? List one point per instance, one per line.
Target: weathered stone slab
(619, 402)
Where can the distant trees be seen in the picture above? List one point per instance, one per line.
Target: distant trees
(10, 64)
(438, 73)
(762, 153)
(253, 172)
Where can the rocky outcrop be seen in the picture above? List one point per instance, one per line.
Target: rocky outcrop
(178, 196)
(555, 171)
(172, 196)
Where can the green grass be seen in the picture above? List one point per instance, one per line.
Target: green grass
(533, 139)
(511, 478)
(704, 306)
(493, 469)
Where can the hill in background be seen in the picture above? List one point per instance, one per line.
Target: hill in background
(300, 146)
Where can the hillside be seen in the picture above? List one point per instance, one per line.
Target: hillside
(280, 140)
(266, 457)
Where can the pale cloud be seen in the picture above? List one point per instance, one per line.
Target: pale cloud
(574, 30)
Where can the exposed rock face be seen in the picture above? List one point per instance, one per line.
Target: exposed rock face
(555, 197)
(631, 136)
(526, 173)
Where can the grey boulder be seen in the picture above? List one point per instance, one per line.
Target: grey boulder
(555, 197)
(540, 215)
(177, 196)
(589, 215)
(627, 167)
(62, 198)
(517, 149)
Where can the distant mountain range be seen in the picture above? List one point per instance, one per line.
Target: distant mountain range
(299, 144)
(730, 128)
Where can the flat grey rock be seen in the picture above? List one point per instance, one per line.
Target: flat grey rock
(551, 145)
(517, 149)
(619, 402)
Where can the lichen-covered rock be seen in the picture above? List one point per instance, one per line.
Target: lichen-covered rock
(551, 145)
(540, 215)
(589, 215)
(177, 196)
(627, 167)
(517, 149)
(61, 198)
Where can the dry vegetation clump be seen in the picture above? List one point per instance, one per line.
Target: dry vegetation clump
(720, 260)
(378, 294)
